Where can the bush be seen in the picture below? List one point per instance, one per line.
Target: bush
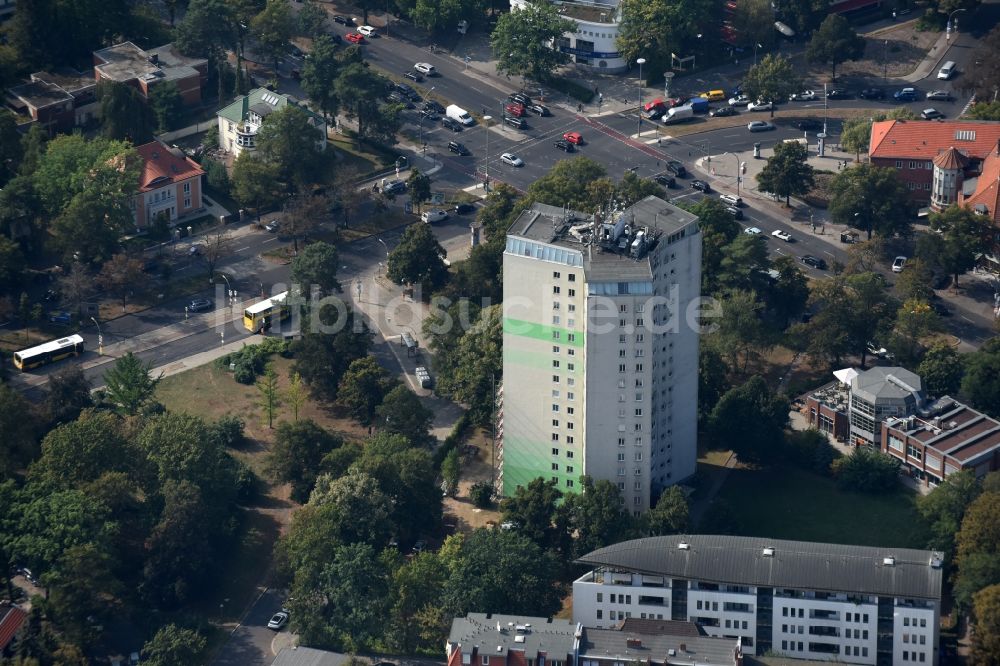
(228, 431)
(251, 359)
(481, 494)
(244, 373)
(866, 470)
(811, 450)
(216, 175)
(246, 483)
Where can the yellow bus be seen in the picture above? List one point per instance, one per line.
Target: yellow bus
(259, 317)
(55, 350)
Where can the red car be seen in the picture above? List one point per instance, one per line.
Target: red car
(355, 38)
(515, 109)
(574, 138)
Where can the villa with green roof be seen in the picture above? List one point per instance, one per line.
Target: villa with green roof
(240, 121)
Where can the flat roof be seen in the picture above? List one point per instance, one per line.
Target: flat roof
(126, 62)
(631, 646)
(495, 634)
(39, 94)
(887, 383)
(303, 656)
(955, 430)
(799, 565)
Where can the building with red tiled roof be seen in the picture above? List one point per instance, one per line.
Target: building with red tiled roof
(946, 437)
(169, 184)
(11, 620)
(911, 146)
(985, 195)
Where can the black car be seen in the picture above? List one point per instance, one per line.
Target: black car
(665, 179)
(676, 168)
(458, 148)
(809, 125)
(199, 305)
(815, 262)
(540, 109)
(520, 98)
(397, 97)
(724, 111)
(413, 76)
(336, 39)
(940, 308)
(516, 123)
(451, 124)
(406, 90)
(431, 105)
(464, 208)
(343, 20)
(872, 93)
(701, 185)
(429, 115)
(737, 213)
(838, 93)
(562, 144)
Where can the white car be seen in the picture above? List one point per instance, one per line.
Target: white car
(941, 95)
(739, 100)
(752, 231)
(512, 159)
(804, 96)
(879, 351)
(760, 105)
(760, 126)
(432, 216)
(898, 264)
(367, 30)
(783, 235)
(425, 68)
(278, 620)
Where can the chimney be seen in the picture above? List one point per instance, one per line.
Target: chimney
(154, 59)
(633, 642)
(683, 647)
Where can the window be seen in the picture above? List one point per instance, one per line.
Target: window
(638, 322)
(569, 454)
(638, 396)
(555, 364)
(569, 395)
(555, 336)
(600, 613)
(621, 353)
(555, 423)
(638, 411)
(569, 425)
(555, 437)
(621, 471)
(555, 290)
(638, 456)
(906, 621)
(621, 457)
(555, 378)
(569, 482)
(555, 349)
(571, 337)
(555, 320)
(638, 471)
(569, 410)
(555, 275)
(555, 467)
(623, 308)
(571, 308)
(570, 381)
(600, 597)
(899, 164)
(638, 367)
(636, 500)
(187, 188)
(555, 408)
(486, 660)
(621, 367)
(569, 440)
(914, 165)
(621, 442)
(187, 202)
(621, 338)
(555, 452)
(637, 485)
(572, 292)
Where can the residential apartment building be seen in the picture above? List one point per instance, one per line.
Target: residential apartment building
(912, 146)
(240, 121)
(169, 184)
(482, 639)
(144, 69)
(600, 349)
(851, 604)
(943, 439)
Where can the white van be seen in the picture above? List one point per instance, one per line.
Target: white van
(458, 113)
(947, 71)
(731, 199)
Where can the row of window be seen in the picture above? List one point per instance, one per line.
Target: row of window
(790, 612)
(736, 624)
(917, 638)
(856, 617)
(906, 621)
(916, 165)
(569, 276)
(914, 656)
(919, 186)
(558, 290)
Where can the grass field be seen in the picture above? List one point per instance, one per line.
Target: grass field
(789, 503)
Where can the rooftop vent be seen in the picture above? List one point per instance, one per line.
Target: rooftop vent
(937, 559)
(519, 638)
(683, 545)
(768, 552)
(889, 561)
(499, 648)
(671, 652)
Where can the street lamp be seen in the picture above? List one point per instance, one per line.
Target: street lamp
(952, 23)
(756, 46)
(885, 61)
(638, 131)
(486, 162)
(739, 170)
(423, 146)
(100, 338)
(386, 252)
(229, 289)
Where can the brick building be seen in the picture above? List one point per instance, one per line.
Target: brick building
(57, 100)
(144, 69)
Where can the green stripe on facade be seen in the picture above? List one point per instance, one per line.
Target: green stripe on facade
(530, 329)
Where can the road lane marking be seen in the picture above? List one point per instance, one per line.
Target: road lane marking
(967, 319)
(270, 240)
(243, 248)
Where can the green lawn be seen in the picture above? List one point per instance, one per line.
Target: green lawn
(788, 503)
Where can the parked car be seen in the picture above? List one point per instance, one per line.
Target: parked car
(723, 111)
(368, 31)
(737, 213)
(573, 137)
(515, 122)
(815, 262)
(872, 93)
(654, 111)
(809, 125)
(838, 93)
(458, 148)
(675, 102)
(564, 145)
(760, 126)
(879, 351)
(940, 95)
(540, 109)
(429, 115)
(464, 208)
(931, 114)
(397, 97)
(343, 20)
(905, 95)
(782, 235)
(898, 264)
(413, 76)
(407, 91)
(431, 105)
(739, 100)
(199, 305)
(515, 109)
(760, 105)
(512, 160)
(451, 124)
(433, 216)
(701, 185)
(278, 620)
(395, 187)
(355, 38)
(520, 98)
(940, 309)
(676, 168)
(752, 231)
(804, 96)
(665, 179)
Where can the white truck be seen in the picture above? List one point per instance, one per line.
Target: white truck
(678, 114)
(459, 114)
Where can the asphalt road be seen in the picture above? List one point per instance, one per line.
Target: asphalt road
(249, 643)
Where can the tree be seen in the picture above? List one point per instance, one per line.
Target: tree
(718, 229)
(272, 28)
(402, 412)
(255, 182)
(418, 186)
(835, 42)
(451, 469)
(11, 264)
(303, 216)
(945, 506)
(914, 321)
(173, 645)
(297, 453)
(311, 20)
(475, 364)
(167, 104)
(655, 29)
(291, 141)
(217, 246)
(67, 394)
(128, 384)
(744, 265)
(11, 150)
(416, 587)
(632, 189)
(788, 293)
(120, 275)
(855, 136)
(418, 259)
(741, 335)
(319, 75)
(941, 370)
(984, 111)
(522, 41)
(76, 285)
(866, 470)
(671, 515)
(787, 172)
(534, 510)
(18, 446)
(962, 235)
(332, 341)
(566, 184)
(360, 90)
(270, 394)
(986, 634)
(873, 199)
(124, 113)
(712, 381)
(79, 589)
(595, 516)
(78, 453)
(981, 382)
(773, 79)
(753, 22)
(754, 440)
(206, 29)
(363, 388)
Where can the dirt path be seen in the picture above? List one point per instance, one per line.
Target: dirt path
(476, 467)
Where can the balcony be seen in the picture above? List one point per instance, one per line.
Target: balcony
(833, 632)
(815, 614)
